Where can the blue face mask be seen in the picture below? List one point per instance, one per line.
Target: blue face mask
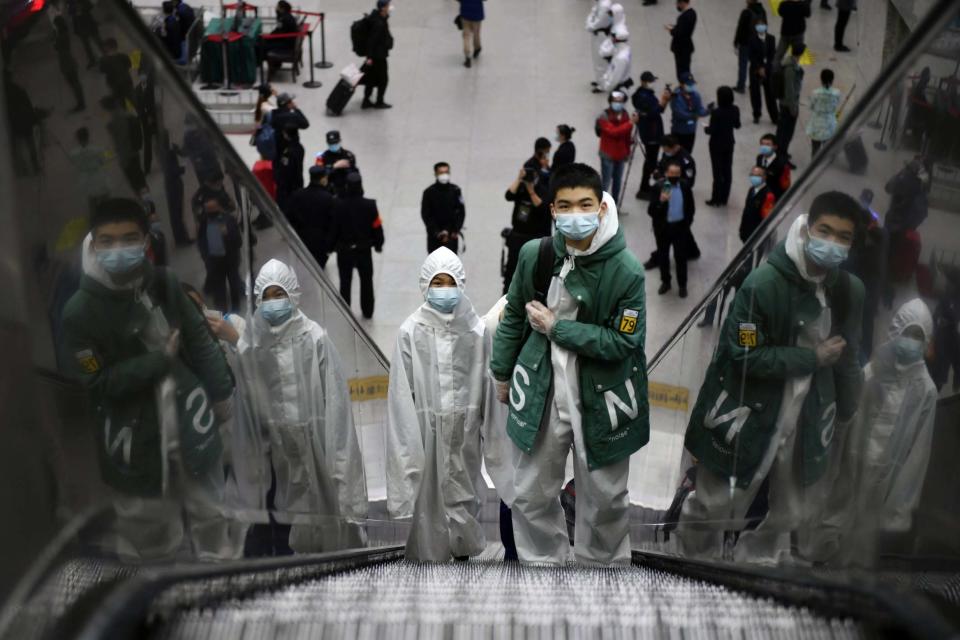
(443, 299)
(577, 226)
(690, 86)
(908, 350)
(756, 181)
(122, 259)
(765, 149)
(761, 29)
(334, 147)
(616, 106)
(277, 311)
(825, 253)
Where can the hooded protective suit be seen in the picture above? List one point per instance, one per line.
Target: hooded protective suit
(602, 520)
(618, 69)
(434, 418)
(890, 447)
(497, 447)
(598, 23)
(302, 400)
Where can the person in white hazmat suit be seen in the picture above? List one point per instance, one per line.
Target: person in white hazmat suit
(615, 51)
(598, 23)
(884, 461)
(301, 398)
(435, 415)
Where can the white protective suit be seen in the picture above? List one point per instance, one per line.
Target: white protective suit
(598, 23)
(789, 503)
(602, 520)
(302, 400)
(434, 419)
(889, 449)
(618, 69)
(497, 446)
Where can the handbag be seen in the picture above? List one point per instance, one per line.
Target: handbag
(458, 21)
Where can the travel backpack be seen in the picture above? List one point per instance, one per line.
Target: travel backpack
(265, 138)
(359, 33)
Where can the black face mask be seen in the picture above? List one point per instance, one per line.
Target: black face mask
(673, 180)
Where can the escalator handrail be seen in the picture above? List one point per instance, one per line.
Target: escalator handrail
(932, 25)
(119, 609)
(237, 169)
(910, 614)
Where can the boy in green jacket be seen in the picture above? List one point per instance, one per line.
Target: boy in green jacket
(785, 377)
(568, 358)
(160, 387)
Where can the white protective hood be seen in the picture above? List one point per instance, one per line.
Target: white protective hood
(619, 27)
(438, 379)
(599, 17)
(94, 270)
(796, 244)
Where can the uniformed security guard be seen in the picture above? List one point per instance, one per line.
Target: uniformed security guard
(287, 121)
(310, 212)
(570, 362)
(356, 229)
(442, 211)
(784, 378)
(338, 161)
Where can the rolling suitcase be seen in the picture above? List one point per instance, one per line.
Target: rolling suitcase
(856, 155)
(339, 97)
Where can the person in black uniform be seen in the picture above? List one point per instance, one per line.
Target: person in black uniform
(442, 211)
(566, 153)
(338, 161)
(723, 120)
(673, 151)
(531, 216)
(649, 122)
(287, 121)
(379, 43)
(356, 229)
(310, 212)
(672, 212)
(169, 30)
(763, 47)
(681, 37)
(776, 165)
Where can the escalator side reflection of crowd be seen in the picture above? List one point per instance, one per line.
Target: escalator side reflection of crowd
(227, 381)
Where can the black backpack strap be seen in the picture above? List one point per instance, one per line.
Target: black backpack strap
(840, 303)
(544, 273)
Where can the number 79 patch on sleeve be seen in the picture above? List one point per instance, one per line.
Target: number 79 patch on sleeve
(628, 321)
(87, 361)
(747, 335)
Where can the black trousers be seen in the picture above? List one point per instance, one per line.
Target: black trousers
(721, 160)
(758, 84)
(376, 76)
(130, 166)
(651, 153)
(433, 244)
(73, 81)
(514, 244)
(686, 140)
(672, 234)
(271, 538)
(358, 258)
(224, 271)
(840, 28)
(682, 62)
(786, 126)
(288, 173)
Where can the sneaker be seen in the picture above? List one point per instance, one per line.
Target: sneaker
(740, 89)
(683, 292)
(663, 288)
(842, 48)
(649, 3)
(650, 264)
(382, 105)
(643, 194)
(712, 203)
(825, 5)
(756, 119)
(704, 323)
(366, 104)
(462, 558)
(476, 54)
(467, 63)
(262, 222)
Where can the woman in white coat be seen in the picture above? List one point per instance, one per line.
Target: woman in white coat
(435, 415)
(301, 398)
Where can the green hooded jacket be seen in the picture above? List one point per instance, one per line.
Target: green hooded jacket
(735, 417)
(608, 338)
(106, 350)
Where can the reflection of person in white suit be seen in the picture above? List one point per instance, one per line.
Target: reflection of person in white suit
(598, 23)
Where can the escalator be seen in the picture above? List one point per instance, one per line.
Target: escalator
(72, 585)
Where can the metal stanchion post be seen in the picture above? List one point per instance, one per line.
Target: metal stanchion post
(311, 84)
(323, 64)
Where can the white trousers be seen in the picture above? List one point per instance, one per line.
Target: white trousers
(603, 517)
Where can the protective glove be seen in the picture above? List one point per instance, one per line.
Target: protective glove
(503, 391)
(223, 411)
(541, 318)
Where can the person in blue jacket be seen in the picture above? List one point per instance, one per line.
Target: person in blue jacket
(471, 16)
(686, 107)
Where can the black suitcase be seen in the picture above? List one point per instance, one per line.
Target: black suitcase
(856, 155)
(339, 97)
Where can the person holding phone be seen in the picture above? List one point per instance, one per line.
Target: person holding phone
(672, 212)
(530, 218)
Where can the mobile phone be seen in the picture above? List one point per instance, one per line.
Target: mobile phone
(669, 87)
(213, 314)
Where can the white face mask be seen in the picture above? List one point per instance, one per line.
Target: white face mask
(443, 178)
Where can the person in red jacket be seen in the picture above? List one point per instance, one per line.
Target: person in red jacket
(263, 171)
(616, 134)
